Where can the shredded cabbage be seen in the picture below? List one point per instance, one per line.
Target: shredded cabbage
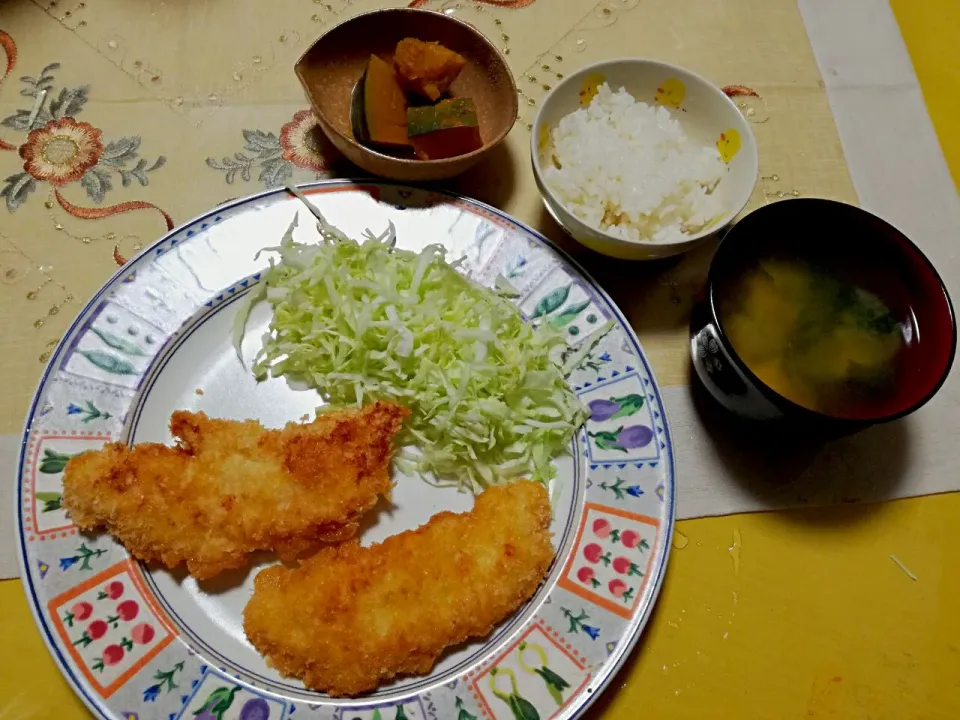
(361, 321)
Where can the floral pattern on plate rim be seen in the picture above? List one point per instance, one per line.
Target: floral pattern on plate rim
(598, 637)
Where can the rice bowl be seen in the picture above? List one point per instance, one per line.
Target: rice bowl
(658, 194)
(629, 169)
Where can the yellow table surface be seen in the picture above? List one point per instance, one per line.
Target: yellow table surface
(815, 621)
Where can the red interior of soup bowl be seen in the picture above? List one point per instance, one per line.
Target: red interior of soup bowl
(883, 261)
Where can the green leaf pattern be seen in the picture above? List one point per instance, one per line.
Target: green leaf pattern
(166, 678)
(84, 555)
(53, 462)
(218, 702)
(555, 300)
(118, 343)
(109, 363)
(607, 440)
(555, 684)
(551, 301)
(569, 314)
(629, 405)
(117, 151)
(462, 712)
(69, 102)
(263, 150)
(92, 412)
(34, 86)
(51, 500)
(96, 182)
(521, 708)
(16, 189)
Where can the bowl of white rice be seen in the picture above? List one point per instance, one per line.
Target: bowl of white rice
(639, 159)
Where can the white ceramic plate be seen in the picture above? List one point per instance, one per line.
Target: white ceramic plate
(138, 642)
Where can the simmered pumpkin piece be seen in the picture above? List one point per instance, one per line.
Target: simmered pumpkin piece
(384, 105)
(426, 68)
(444, 130)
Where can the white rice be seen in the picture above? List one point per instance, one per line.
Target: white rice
(629, 169)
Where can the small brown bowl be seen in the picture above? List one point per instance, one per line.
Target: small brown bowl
(331, 67)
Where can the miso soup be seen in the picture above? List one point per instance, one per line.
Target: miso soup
(824, 342)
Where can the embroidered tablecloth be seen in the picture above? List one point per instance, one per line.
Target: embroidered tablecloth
(120, 119)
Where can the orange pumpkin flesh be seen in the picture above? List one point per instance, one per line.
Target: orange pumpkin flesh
(384, 105)
(426, 68)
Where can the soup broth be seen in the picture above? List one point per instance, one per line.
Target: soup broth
(825, 343)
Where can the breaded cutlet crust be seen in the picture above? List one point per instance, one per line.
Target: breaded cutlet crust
(231, 488)
(351, 618)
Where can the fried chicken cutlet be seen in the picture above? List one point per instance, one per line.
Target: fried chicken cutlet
(352, 617)
(230, 488)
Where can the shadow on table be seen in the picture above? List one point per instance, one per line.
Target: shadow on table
(492, 181)
(782, 470)
(655, 295)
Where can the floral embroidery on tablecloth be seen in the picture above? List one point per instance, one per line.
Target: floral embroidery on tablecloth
(300, 145)
(9, 48)
(60, 150)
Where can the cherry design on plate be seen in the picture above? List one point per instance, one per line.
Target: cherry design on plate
(81, 611)
(143, 633)
(95, 630)
(587, 576)
(112, 654)
(601, 528)
(619, 589)
(594, 553)
(126, 611)
(630, 539)
(612, 562)
(113, 591)
(623, 566)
